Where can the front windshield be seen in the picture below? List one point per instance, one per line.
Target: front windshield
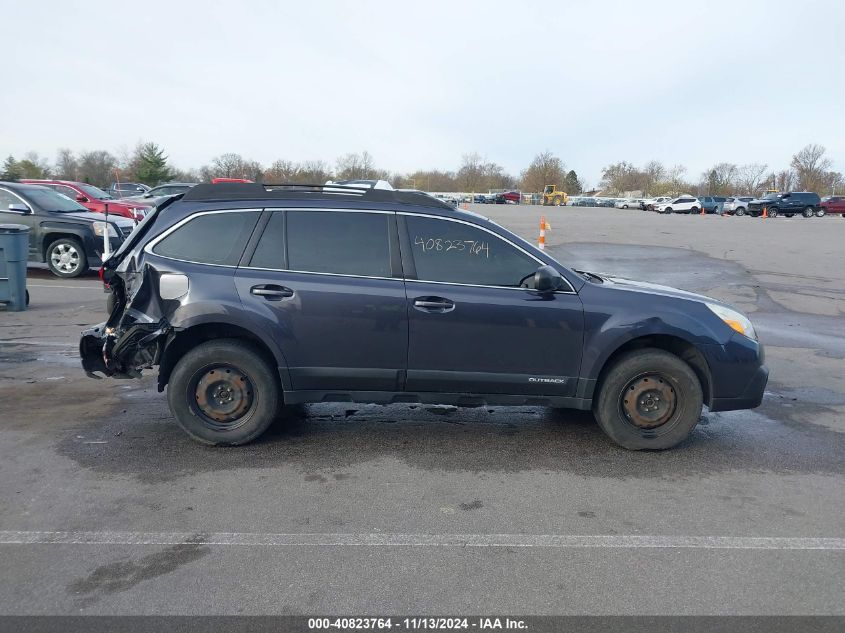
(49, 200)
(771, 196)
(94, 192)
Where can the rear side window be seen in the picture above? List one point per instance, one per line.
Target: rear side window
(213, 238)
(461, 253)
(343, 243)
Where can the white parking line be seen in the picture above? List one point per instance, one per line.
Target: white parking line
(558, 541)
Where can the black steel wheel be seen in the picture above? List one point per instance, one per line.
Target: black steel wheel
(224, 392)
(648, 399)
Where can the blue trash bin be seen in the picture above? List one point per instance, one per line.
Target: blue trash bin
(14, 253)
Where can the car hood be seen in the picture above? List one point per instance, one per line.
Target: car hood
(125, 203)
(654, 289)
(91, 216)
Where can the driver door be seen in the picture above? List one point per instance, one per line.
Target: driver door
(472, 328)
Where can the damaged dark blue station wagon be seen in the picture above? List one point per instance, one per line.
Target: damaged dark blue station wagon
(248, 297)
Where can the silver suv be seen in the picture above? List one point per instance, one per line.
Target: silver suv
(737, 205)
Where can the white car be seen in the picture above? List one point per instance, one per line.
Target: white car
(627, 203)
(682, 204)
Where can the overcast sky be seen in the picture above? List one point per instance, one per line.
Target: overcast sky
(419, 84)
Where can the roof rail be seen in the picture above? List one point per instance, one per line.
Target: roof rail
(301, 191)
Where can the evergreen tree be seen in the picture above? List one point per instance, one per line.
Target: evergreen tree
(151, 167)
(572, 185)
(11, 169)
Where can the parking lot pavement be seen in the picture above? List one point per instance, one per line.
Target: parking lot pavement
(106, 507)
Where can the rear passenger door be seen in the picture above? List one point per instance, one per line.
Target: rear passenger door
(328, 285)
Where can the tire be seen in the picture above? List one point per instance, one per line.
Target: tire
(624, 206)
(773, 213)
(667, 412)
(694, 210)
(820, 212)
(668, 210)
(740, 211)
(809, 212)
(66, 258)
(210, 373)
(556, 201)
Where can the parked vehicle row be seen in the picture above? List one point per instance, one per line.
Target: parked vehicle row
(62, 232)
(93, 198)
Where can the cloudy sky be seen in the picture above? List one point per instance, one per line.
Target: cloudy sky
(419, 84)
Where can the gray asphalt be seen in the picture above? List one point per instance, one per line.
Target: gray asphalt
(80, 456)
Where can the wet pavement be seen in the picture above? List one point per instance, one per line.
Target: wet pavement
(81, 456)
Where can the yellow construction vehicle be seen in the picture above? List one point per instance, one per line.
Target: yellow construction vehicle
(552, 196)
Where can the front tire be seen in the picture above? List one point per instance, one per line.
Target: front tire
(556, 201)
(820, 213)
(773, 213)
(224, 393)
(740, 211)
(649, 399)
(66, 258)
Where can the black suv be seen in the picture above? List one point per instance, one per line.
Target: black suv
(62, 232)
(248, 296)
(806, 203)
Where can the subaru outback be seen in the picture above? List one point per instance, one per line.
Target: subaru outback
(248, 297)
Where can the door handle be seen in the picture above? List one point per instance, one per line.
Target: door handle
(433, 304)
(271, 292)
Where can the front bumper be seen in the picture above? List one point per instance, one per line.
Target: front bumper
(751, 396)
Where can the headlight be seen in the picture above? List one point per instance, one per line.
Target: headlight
(736, 320)
(102, 227)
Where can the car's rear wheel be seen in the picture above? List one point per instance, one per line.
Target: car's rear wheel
(694, 210)
(809, 212)
(740, 211)
(224, 393)
(66, 258)
(668, 210)
(773, 213)
(649, 399)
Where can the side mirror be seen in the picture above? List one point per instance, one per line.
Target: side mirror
(547, 279)
(19, 208)
(81, 198)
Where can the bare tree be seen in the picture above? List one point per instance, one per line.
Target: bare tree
(720, 179)
(545, 169)
(97, 167)
(67, 167)
(315, 172)
(750, 177)
(811, 168)
(784, 180)
(356, 166)
(229, 165)
(282, 171)
(470, 176)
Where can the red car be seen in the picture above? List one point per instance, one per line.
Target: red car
(512, 197)
(834, 205)
(93, 198)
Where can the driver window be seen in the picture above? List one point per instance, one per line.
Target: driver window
(448, 251)
(6, 199)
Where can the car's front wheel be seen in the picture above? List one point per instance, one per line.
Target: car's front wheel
(740, 211)
(773, 213)
(820, 212)
(649, 399)
(66, 258)
(223, 392)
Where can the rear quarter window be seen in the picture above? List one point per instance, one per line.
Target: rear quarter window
(211, 238)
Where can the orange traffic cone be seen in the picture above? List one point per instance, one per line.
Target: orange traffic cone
(541, 241)
(702, 210)
(765, 212)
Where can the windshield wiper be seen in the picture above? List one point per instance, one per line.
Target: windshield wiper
(590, 276)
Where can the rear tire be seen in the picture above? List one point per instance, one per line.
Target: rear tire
(694, 210)
(809, 212)
(740, 211)
(773, 213)
(224, 393)
(666, 403)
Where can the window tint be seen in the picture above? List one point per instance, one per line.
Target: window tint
(66, 191)
(6, 199)
(270, 252)
(460, 253)
(215, 238)
(346, 243)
